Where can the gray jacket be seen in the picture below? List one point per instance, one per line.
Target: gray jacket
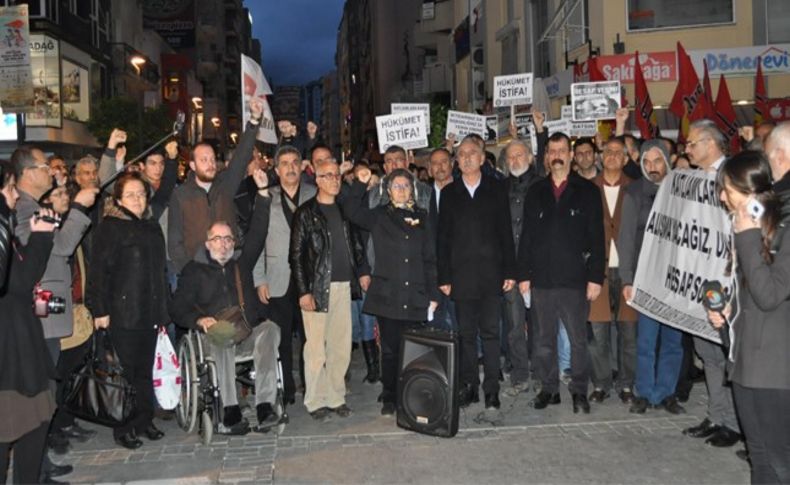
(272, 267)
(761, 351)
(57, 277)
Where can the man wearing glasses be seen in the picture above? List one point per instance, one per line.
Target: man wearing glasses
(324, 262)
(212, 282)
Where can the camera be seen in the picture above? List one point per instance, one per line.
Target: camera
(51, 220)
(45, 302)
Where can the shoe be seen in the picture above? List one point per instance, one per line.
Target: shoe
(321, 414)
(598, 395)
(682, 396)
(371, 352)
(543, 399)
(388, 409)
(267, 418)
(580, 402)
(129, 441)
(153, 433)
(702, 430)
(670, 404)
(492, 400)
(626, 395)
(78, 433)
(468, 395)
(639, 406)
(343, 411)
(289, 399)
(58, 471)
(517, 389)
(723, 438)
(49, 480)
(566, 377)
(240, 428)
(58, 443)
(742, 454)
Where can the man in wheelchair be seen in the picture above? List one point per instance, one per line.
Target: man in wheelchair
(216, 280)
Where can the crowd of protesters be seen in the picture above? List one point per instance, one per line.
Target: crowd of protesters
(522, 257)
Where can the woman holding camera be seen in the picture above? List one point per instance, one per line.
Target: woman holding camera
(26, 403)
(127, 293)
(403, 282)
(760, 314)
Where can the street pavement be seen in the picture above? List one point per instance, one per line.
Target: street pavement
(515, 445)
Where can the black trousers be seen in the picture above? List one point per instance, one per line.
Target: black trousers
(391, 333)
(480, 316)
(284, 312)
(70, 360)
(572, 307)
(685, 381)
(136, 349)
(28, 454)
(765, 422)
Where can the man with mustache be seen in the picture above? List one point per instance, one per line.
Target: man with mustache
(656, 371)
(207, 196)
(272, 272)
(561, 260)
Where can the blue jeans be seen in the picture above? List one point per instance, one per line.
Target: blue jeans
(657, 376)
(362, 324)
(563, 348)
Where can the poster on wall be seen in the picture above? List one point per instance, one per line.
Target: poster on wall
(16, 87)
(75, 91)
(45, 63)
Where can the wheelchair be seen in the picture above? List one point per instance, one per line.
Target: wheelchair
(201, 404)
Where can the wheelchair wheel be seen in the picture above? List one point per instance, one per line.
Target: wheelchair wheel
(206, 428)
(187, 409)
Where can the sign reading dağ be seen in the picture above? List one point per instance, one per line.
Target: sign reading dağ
(742, 61)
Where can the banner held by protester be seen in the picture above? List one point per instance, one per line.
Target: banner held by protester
(687, 242)
(407, 130)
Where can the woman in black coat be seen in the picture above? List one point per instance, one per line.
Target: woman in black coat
(760, 314)
(403, 281)
(127, 292)
(26, 403)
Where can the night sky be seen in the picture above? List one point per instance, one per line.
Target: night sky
(298, 38)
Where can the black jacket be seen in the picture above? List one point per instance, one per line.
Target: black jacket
(562, 242)
(517, 192)
(404, 279)
(6, 234)
(205, 287)
(476, 252)
(126, 279)
(311, 256)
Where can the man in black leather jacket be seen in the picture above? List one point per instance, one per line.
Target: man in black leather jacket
(324, 262)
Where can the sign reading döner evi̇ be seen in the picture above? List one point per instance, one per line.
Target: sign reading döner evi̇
(742, 61)
(656, 66)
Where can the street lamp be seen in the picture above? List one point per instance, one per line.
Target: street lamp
(197, 102)
(215, 121)
(138, 62)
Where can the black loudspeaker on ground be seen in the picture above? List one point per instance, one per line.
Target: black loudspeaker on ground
(428, 382)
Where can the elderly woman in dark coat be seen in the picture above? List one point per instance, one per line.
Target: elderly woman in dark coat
(403, 282)
(127, 293)
(26, 403)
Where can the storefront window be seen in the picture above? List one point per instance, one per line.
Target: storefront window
(75, 94)
(669, 14)
(45, 66)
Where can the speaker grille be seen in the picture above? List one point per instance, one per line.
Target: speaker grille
(425, 398)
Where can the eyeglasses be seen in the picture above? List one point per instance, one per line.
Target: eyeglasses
(134, 195)
(400, 186)
(42, 166)
(691, 144)
(328, 176)
(223, 239)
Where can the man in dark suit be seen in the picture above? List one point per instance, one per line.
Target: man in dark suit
(561, 259)
(441, 169)
(476, 264)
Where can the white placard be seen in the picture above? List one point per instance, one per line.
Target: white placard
(583, 128)
(687, 241)
(551, 127)
(566, 112)
(595, 101)
(513, 90)
(523, 122)
(254, 85)
(425, 108)
(407, 130)
(461, 124)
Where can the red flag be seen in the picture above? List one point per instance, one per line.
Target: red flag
(689, 93)
(761, 111)
(645, 117)
(708, 93)
(595, 72)
(725, 116)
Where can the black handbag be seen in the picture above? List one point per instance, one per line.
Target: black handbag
(98, 391)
